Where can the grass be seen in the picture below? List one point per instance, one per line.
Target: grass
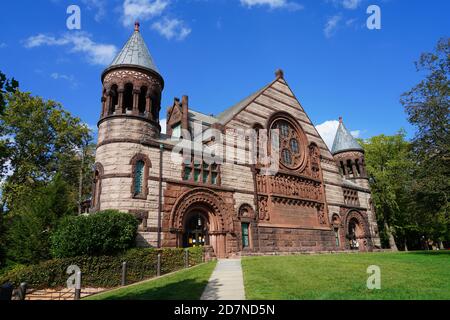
(184, 285)
(404, 276)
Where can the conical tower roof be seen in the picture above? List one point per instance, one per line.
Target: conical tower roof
(344, 140)
(134, 54)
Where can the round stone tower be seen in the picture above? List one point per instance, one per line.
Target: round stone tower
(128, 130)
(349, 156)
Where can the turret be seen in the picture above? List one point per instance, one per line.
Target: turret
(132, 85)
(348, 154)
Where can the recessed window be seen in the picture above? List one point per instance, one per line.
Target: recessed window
(294, 146)
(289, 143)
(284, 128)
(201, 173)
(287, 157)
(245, 235)
(139, 178)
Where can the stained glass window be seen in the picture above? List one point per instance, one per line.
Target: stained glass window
(287, 158)
(139, 177)
(294, 146)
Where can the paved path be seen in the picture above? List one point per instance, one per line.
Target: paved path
(226, 282)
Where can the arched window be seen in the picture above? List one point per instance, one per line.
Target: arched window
(114, 99)
(140, 171)
(139, 178)
(97, 186)
(142, 100)
(292, 142)
(128, 98)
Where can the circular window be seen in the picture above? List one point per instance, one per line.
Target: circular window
(290, 144)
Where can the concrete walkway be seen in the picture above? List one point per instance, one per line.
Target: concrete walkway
(226, 282)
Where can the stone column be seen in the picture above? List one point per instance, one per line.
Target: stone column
(104, 107)
(119, 109)
(136, 101)
(148, 107)
(355, 171)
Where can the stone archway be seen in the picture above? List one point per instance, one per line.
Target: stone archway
(357, 232)
(207, 205)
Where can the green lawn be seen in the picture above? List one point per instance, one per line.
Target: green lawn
(184, 285)
(419, 275)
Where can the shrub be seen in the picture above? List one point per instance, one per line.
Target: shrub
(102, 271)
(103, 233)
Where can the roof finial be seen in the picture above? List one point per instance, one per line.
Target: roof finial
(341, 120)
(137, 25)
(279, 73)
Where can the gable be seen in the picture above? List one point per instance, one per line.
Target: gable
(261, 106)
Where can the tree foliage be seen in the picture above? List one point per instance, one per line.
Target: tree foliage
(29, 229)
(42, 140)
(428, 108)
(390, 170)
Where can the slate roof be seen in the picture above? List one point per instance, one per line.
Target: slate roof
(135, 53)
(344, 141)
(231, 112)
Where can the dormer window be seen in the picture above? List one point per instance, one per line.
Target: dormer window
(176, 131)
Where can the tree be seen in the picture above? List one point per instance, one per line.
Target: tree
(30, 228)
(41, 140)
(428, 108)
(6, 86)
(390, 170)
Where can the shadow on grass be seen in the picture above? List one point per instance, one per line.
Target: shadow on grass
(183, 290)
(431, 253)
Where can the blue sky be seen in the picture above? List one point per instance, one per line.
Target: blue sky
(220, 51)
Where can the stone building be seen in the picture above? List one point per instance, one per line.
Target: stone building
(318, 200)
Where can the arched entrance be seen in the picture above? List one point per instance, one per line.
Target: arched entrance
(357, 233)
(196, 229)
(201, 215)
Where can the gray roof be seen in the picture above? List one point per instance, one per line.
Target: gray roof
(135, 53)
(344, 141)
(195, 116)
(231, 112)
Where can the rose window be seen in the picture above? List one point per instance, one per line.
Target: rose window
(290, 149)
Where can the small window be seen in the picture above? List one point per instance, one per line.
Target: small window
(176, 131)
(284, 129)
(139, 178)
(336, 235)
(294, 146)
(287, 157)
(201, 173)
(245, 235)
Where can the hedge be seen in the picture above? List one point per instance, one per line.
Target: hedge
(104, 233)
(102, 271)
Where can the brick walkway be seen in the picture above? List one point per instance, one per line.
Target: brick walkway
(226, 282)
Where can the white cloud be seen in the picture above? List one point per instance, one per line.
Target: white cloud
(172, 29)
(347, 4)
(98, 5)
(328, 129)
(331, 26)
(163, 123)
(142, 10)
(273, 4)
(57, 76)
(3, 45)
(351, 4)
(96, 53)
